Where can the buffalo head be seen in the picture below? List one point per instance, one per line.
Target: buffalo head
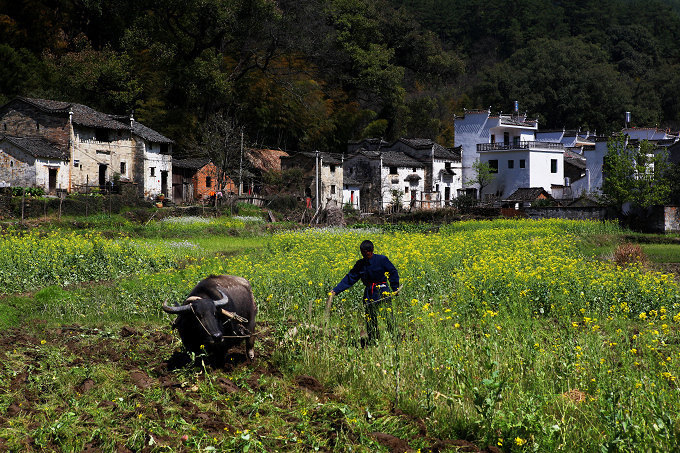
(203, 313)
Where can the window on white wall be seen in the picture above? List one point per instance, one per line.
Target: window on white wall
(493, 165)
(122, 168)
(553, 165)
(152, 171)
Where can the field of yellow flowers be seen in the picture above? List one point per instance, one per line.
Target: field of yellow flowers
(507, 332)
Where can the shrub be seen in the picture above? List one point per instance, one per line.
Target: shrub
(627, 254)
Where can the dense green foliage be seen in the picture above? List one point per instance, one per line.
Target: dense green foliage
(635, 174)
(305, 74)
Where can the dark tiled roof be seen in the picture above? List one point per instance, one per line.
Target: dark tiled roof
(149, 134)
(192, 163)
(143, 131)
(82, 114)
(412, 177)
(574, 159)
(37, 147)
(399, 159)
(417, 143)
(528, 194)
(439, 151)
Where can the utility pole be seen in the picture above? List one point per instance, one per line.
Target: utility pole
(316, 178)
(240, 168)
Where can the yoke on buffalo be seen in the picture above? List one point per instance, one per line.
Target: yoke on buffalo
(216, 315)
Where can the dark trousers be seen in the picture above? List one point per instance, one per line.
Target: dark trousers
(376, 309)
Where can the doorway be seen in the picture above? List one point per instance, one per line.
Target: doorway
(52, 180)
(102, 177)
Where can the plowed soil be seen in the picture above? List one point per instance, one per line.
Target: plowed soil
(148, 360)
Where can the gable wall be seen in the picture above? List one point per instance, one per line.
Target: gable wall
(23, 120)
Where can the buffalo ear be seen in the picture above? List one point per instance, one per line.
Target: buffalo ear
(175, 309)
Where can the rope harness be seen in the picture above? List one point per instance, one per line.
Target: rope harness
(233, 317)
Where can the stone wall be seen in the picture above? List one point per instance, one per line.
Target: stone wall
(22, 120)
(570, 213)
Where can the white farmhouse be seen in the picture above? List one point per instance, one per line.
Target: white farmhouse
(508, 144)
(443, 168)
(382, 180)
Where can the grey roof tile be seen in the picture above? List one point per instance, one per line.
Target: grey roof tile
(37, 147)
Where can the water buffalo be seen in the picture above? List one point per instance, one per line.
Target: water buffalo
(217, 314)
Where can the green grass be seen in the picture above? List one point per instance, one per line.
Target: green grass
(662, 253)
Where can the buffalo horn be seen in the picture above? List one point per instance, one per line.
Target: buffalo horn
(223, 301)
(175, 309)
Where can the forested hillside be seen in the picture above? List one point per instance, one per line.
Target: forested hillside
(311, 74)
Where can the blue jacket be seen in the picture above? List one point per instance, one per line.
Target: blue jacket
(371, 272)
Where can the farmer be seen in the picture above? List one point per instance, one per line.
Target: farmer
(374, 271)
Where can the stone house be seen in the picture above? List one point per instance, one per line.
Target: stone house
(323, 177)
(33, 162)
(99, 147)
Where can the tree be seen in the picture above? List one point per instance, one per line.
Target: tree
(635, 174)
(484, 175)
(220, 140)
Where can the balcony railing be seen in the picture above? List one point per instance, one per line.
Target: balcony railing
(519, 145)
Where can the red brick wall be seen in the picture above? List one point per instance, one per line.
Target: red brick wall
(201, 191)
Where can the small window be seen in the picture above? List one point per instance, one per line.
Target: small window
(11, 163)
(333, 187)
(393, 171)
(37, 126)
(553, 165)
(332, 171)
(522, 163)
(447, 165)
(122, 168)
(208, 181)
(76, 162)
(152, 171)
(493, 138)
(164, 148)
(511, 163)
(406, 189)
(493, 165)
(414, 169)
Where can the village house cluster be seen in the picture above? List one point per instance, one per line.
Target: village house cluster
(67, 147)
